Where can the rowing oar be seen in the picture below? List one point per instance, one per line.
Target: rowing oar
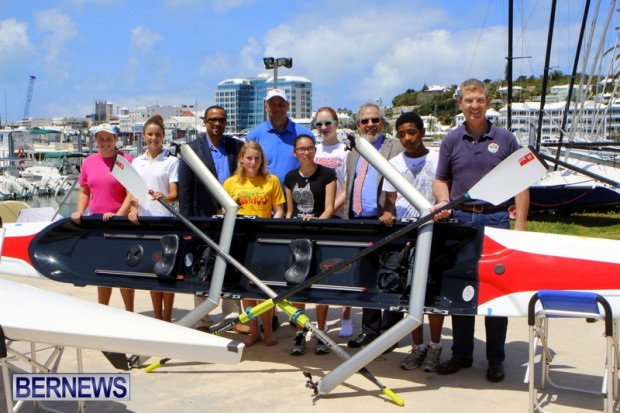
(133, 182)
(513, 175)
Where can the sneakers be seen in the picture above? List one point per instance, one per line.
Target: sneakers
(428, 359)
(346, 328)
(300, 344)
(414, 359)
(321, 348)
(432, 359)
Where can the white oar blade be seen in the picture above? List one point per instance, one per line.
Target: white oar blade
(517, 172)
(129, 177)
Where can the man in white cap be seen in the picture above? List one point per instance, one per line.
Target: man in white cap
(277, 135)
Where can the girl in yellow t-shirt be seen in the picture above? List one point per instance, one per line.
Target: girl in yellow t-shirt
(257, 193)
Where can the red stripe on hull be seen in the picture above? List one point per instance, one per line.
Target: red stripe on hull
(17, 247)
(526, 271)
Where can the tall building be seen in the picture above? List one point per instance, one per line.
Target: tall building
(103, 111)
(243, 99)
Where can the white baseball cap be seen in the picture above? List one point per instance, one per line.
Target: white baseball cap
(106, 127)
(276, 92)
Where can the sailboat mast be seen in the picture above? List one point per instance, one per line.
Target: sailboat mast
(509, 65)
(573, 74)
(543, 94)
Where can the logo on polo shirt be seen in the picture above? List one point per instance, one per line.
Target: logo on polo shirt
(493, 147)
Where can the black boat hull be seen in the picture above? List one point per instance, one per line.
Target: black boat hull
(163, 254)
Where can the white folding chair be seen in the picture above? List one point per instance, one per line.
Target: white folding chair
(570, 304)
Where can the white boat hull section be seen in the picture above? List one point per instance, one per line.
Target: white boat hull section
(31, 314)
(15, 259)
(540, 261)
(555, 245)
(516, 304)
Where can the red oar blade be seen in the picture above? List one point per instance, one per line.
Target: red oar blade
(517, 172)
(129, 177)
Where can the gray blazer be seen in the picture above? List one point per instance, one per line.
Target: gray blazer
(389, 149)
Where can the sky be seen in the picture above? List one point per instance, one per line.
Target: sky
(174, 52)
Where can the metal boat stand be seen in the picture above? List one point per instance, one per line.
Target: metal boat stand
(419, 272)
(17, 361)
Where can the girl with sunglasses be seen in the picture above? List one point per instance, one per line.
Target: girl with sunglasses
(333, 154)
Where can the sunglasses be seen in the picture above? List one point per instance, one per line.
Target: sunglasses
(373, 120)
(215, 120)
(326, 123)
(305, 149)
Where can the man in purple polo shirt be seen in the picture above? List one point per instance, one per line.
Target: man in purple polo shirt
(466, 155)
(277, 135)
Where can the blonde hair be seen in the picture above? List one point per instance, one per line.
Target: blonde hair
(240, 171)
(472, 84)
(329, 110)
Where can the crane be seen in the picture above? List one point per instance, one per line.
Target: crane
(29, 97)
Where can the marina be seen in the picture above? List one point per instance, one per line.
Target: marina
(51, 268)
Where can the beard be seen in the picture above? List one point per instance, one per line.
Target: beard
(371, 138)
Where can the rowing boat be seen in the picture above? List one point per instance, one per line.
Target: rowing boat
(472, 270)
(35, 315)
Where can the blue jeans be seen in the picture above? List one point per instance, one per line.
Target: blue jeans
(463, 325)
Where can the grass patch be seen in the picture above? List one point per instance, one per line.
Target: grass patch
(585, 224)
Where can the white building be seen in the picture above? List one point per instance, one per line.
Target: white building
(243, 99)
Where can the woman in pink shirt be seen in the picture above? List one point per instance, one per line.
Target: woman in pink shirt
(101, 193)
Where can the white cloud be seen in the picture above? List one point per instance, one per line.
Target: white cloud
(352, 50)
(13, 36)
(215, 64)
(14, 40)
(144, 39)
(366, 58)
(436, 57)
(249, 55)
(245, 63)
(59, 29)
(334, 51)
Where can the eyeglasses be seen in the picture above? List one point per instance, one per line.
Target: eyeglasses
(305, 149)
(326, 123)
(373, 120)
(216, 120)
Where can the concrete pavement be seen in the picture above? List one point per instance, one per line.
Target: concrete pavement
(270, 380)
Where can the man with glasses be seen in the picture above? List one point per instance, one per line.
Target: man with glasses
(219, 153)
(365, 200)
(277, 135)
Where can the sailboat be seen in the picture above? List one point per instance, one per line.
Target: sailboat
(574, 135)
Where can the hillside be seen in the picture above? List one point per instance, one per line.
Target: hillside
(443, 105)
